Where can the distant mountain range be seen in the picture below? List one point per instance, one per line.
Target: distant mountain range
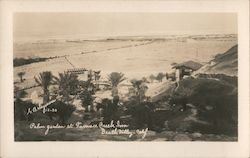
(78, 38)
(225, 63)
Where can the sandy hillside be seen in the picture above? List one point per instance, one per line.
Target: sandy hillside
(225, 63)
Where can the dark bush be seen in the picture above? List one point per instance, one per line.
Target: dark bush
(24, 61)
(21, 109)
(142, 115)
(64, 111)
(215, 100)
(110, 110)
(230, 79)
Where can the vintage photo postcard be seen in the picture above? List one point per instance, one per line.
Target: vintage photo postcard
(130, 76)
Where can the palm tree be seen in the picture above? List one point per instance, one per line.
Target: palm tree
(144, 79)
(90, 75)
(160, 76)
(67, 83)
(86, 93)
(140, 89)
(115, 79)
(21, 74)
(97, 75)
(152, 77)
(44, 79)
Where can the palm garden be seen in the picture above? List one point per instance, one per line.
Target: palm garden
(65, 88)
(66, 92)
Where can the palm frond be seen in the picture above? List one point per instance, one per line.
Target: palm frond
(115, 78)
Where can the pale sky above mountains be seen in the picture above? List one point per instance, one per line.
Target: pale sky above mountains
(87, 25)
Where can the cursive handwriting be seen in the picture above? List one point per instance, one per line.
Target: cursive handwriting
(42, 107)
(106, 129)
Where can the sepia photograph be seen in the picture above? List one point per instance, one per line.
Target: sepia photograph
(125, 76)
(124, 79)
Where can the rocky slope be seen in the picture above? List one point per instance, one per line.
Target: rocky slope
(225, 63)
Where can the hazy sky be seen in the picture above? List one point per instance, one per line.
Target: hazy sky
(49, 25)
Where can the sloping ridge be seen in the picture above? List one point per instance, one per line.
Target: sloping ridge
(226, 63)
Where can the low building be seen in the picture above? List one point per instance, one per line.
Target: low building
(94, 76)
(185, 69)
(82, 73)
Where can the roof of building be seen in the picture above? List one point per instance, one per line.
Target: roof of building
(77, 70)
(189, 64)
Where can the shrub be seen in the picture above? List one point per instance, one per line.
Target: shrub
(21, 109)
(64, 111)
(142, 115)
(215, 101)
(160, 76)
(230, 79)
